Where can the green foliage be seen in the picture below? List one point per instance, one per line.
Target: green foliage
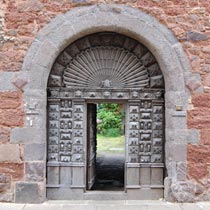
(111, 120)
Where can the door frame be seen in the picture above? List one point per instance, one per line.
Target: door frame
(97, 101)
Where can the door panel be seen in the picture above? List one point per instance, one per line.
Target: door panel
(91, 145)
(145, 141)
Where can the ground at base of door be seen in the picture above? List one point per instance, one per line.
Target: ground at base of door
(107, 205)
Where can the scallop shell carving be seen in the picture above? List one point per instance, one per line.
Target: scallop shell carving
(106, 67)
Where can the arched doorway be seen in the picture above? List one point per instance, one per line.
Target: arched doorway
(83, 21)
(105, 67)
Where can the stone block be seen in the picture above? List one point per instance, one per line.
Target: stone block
(176, 152)
(193, 82)
(11, 117)
(201, 100)
(198, 153)
(6, 197)
(176, 98)
(27, 192)
(36, 78)
(167, 189)
(9, 153)
(10, 100)
(183, 191)
(45, 53)
(6, 81)
(34, 152)
(65, 194)
(197, 171)
(5, 182)
(80, 1)
(181, 171)
(15, 170)
(197, 118)
(205, 137)
(19, 83)
(173, 121)
(206, 81)
(171, 168)
(182, 136)
(4, 135)
(195, 36)
(34, 171)
(28, 135)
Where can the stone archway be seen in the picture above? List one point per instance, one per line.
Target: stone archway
(79, 22)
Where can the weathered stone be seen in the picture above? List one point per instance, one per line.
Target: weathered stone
(10, 100)
(9, 153)
(4, 135)
(34, 171)
(15, 170)
(26, 192)
(183, 191)
(183, 136)
(196, 36)
(79, 1)
(199, 189)
(6, 81)
(198, 158)
(27, 135)
(177, 152)
(30, 6)
(201, 100)
(205, 68)
(198, 153)
(197, 170)
(11, 117)
(19, 83)
(34, 152)
(205, 137)
(5, 182)
(206, 80)
(193, 82)
(167, 190)
(198, 119)
(206, 49)
(181, 171)
(6, 197)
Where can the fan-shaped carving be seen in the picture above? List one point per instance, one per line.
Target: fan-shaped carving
(106, 67)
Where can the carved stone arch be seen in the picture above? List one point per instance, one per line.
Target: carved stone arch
(82, 21)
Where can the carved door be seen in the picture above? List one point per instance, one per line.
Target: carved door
(145, 139)
(91, 145)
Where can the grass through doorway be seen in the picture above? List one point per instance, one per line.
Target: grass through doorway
(110, 153)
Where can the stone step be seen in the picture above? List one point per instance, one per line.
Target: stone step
(103, 195)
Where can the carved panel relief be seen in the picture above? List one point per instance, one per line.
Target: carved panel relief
(65, 131)
(145, 132)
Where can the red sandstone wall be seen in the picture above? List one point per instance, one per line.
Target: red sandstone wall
(22, 19)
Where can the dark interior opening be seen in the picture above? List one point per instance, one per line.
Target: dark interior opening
(110, 147)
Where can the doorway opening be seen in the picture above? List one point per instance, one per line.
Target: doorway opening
(109, 147)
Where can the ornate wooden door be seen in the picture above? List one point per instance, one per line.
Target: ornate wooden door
(105, 67)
